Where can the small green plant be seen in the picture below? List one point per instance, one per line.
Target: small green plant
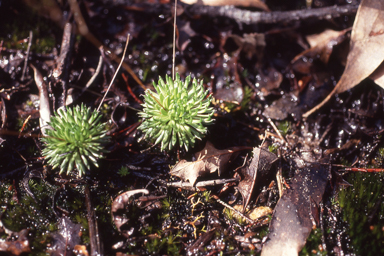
(77, 138)
(123, 171)
(176, 112)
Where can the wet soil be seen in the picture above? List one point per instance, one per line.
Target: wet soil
(249, 71)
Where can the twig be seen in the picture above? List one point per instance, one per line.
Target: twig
(97, 71)
(117, 71)
(233, 209)
(125, 78)
(365, 169)
(94, 239)
(251, 17)
(174, 42)
(188, 185)
(276, 130)
(27, 55)
(279, 176)
(61, 72)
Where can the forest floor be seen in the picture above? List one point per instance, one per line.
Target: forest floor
(270, 176)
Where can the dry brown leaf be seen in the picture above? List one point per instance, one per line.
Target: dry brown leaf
(322, 44)
(249, 3)
(294, 213)
(251, 44)
(259, 168)
(185, 33)
(208, 161)
(378, 75)
(253, 214)
(366, 48)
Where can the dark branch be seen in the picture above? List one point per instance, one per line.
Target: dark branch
(252, 17)
(249, 17)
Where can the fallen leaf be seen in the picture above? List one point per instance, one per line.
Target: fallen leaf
(227, 82)
(251, 44)
(267, 80)
(209, 160)
(254, 214)
(20, 246)
(185, 33)
(367, 42)
(322, 44)
(260, 212)
(292, 223)
(366, 48)
(378, 75)
(281, 108)
(233, 93)
(321, 48)
(66, 238)
(119, 209)
(259, 168)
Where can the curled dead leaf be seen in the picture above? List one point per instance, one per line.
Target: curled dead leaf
(119, 207)
(259, 168)
(209, 160)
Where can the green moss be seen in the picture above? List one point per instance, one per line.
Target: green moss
(17, 29)
(312, 245)
(363, 211)
(28, 213)
(273, 148)
(284, 127)
(167, 245)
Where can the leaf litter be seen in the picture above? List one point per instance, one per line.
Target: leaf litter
(208, 160)
(290, 68)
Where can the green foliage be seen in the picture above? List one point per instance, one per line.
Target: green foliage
(176, 112)
(273, 148)
(26, 213)
(312, 245)
(123, 171)
(166, 245)
(284, 127)
(16, 29)
(77, 138)
(248, 92)
(363, 211)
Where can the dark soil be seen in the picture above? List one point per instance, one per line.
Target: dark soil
(249, 70)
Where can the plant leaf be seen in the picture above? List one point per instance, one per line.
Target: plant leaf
(259, 167)
(208, 161)
(366, 48)
(295, 212)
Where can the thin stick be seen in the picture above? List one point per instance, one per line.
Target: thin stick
(117, 70)
(233, 209)
(276, 130)
(27, 55)
(174, 43)
(97, 71)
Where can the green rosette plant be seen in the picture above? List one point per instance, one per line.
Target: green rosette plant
(176, 113)
(77, 139)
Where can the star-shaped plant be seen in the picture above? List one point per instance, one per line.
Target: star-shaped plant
(77, 138)
(176, 112)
